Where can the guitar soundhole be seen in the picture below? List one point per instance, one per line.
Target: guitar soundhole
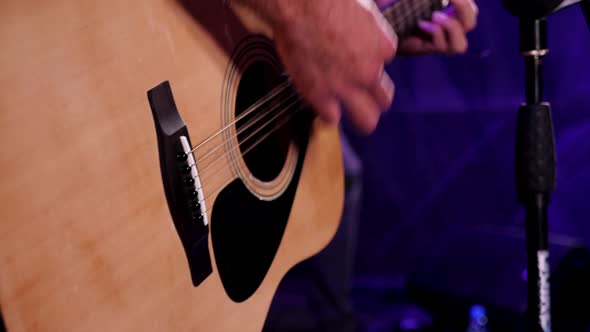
(263, 134)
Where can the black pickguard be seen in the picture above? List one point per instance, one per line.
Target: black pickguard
(246, 231)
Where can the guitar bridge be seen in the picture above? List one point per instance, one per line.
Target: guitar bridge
(181, 181)
(196, 197)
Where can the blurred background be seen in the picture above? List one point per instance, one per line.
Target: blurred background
(441, 230)
(441, 237)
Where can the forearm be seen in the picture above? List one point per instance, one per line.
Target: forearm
(279, 13)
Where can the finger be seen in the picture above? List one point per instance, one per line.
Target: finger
(437, 35)
(456, 39)
(327, 109)
(362, 110)
(389, 40)
(363, 73)
(417, 45)
(384, 92)
(466, 12)
(317, 94)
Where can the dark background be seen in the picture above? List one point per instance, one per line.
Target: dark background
(441, 229)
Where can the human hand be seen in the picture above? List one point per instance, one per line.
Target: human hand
(446, 33)
(334, 52)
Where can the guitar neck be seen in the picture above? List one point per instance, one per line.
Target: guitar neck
(403, 15)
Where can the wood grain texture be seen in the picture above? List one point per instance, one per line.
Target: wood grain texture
(86, 239)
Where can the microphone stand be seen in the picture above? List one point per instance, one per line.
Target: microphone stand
(585, 5)
(535, 172)
(535, 169)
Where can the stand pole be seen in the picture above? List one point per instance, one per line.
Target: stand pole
(535, 173)
(585, 4)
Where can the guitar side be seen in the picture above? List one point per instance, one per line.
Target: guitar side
(86, 239)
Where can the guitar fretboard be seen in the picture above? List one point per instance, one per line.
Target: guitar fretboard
(403, 15)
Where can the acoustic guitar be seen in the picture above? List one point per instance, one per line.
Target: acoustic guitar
(159, 171)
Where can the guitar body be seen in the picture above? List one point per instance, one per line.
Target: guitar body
(87, 240)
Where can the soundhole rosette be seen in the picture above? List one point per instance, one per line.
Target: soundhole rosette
(262, 152)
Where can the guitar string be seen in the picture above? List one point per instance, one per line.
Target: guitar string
(250, 148)
(240, 142)
(273, 129)
(243, 128)
(280, 88)
(251, 135)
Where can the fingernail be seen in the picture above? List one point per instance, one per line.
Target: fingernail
(388, 31)
(450, 11)
(391, 35)
(334, 114)
(425, 25)
(336, 117)
(388, 86)
(439, 17)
